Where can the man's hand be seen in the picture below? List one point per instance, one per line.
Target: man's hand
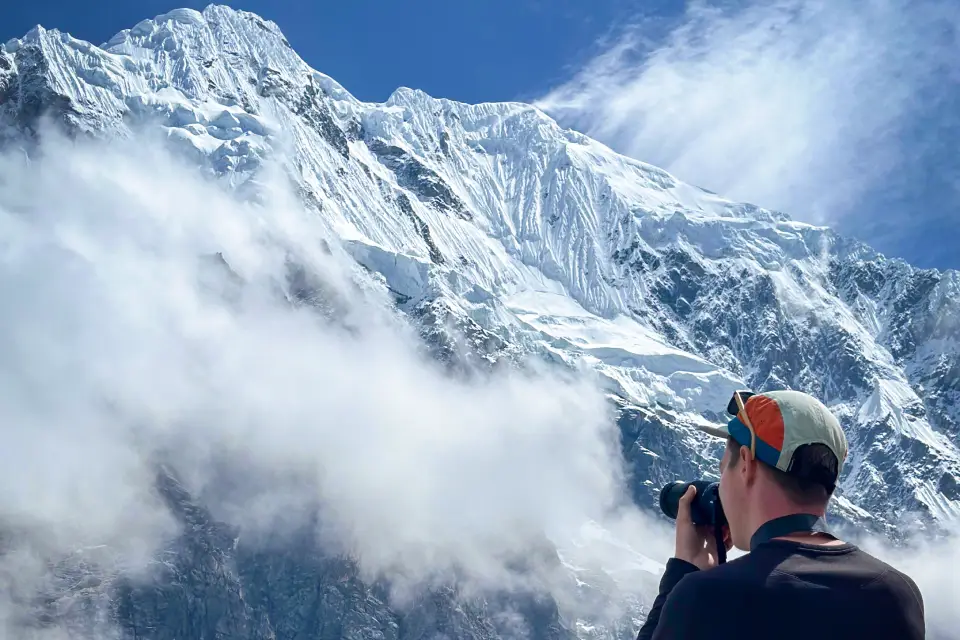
(697, 544)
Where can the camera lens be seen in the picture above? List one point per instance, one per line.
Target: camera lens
(706, 504)
(670, 498)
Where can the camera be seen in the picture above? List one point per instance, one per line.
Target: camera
(705, 508)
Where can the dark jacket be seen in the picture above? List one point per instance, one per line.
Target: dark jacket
(787, 590)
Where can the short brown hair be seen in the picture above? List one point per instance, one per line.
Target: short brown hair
(812, 475)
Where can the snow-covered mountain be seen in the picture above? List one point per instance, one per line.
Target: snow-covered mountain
(496, 228)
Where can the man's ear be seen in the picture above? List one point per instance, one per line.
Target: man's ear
(747, 464)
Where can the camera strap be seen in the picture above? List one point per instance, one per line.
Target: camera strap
(785, 525)
(720, 520)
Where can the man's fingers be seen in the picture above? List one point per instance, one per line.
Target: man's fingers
(727, 538)
(683, 512)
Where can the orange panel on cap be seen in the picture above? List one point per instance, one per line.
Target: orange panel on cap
(765, 416)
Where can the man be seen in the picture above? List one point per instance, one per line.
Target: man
(784, 454)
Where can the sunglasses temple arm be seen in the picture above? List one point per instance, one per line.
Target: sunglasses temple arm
(746, 421)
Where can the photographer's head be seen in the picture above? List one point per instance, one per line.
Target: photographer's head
(784, 454)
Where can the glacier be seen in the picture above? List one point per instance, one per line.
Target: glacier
(500, 234)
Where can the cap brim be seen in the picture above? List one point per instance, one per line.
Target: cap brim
(719, 432)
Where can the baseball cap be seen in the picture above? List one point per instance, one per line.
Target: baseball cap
(782, 420)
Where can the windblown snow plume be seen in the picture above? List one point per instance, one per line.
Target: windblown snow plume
(804, 106)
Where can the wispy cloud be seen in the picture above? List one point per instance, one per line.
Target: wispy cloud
(829, 111)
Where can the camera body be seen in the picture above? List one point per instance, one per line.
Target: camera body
(705, 509)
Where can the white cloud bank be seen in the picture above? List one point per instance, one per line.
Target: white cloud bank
(799, 105)
(116, 349)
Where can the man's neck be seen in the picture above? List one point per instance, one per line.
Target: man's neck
(774, 506)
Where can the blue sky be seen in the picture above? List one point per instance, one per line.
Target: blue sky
(839, 113)
(469, 50)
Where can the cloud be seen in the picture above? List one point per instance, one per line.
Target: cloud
(125, 342)
(931, 565)
(834, 112)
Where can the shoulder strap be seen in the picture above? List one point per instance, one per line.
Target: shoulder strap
(785, 525)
